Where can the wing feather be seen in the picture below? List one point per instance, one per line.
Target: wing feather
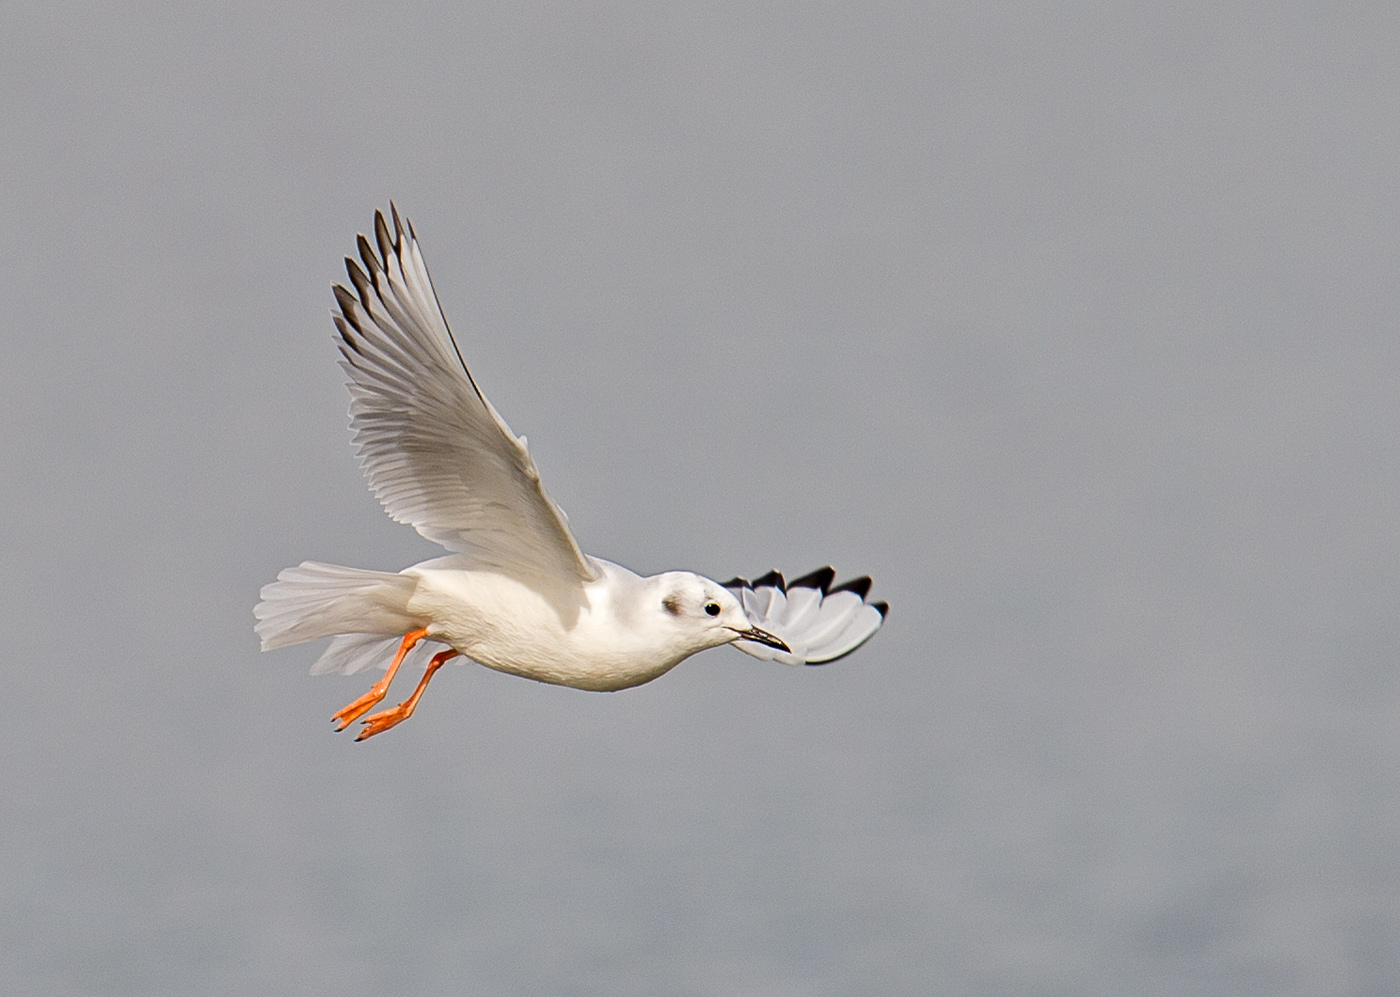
(819, 623)
(437, 454)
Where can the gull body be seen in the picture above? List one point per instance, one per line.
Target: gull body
(619, 632)
(517, 594)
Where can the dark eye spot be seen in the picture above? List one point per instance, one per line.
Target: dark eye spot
(712, 608)
(672, 604)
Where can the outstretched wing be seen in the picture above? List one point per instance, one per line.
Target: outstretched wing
(436, 453)
(820, 623)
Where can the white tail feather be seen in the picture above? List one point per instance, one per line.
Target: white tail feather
(325, 600)
(351, 653)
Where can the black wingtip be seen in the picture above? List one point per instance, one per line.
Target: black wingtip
(359, 279)
(773, 579)
(402, 225)
(860, 586)
(737, 582)
(345, 338)
(819, 579)
(373, 264)
(381, 236)
(882, 608)
(345, 300)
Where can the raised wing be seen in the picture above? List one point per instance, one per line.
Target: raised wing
(820, 623)
(436, 453)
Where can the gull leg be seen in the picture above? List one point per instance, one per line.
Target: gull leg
(377, 723)
(344, 718)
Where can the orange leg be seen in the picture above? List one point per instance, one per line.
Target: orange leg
(344, 718)
(377, 723)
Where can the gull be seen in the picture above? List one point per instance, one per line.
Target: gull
(516, 594)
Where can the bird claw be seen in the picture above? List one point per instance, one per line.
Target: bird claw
(378, 723)
(345, 717)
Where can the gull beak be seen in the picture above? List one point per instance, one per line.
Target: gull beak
(761, 637)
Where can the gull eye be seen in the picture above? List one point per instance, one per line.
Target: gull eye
(712, 608)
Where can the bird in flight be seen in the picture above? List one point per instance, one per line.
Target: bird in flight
(516, 594)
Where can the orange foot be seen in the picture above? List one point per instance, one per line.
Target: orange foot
(344, 718)
(378, 723)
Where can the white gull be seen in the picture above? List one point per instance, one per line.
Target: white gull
(517, 594)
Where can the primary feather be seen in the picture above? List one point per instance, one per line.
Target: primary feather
(818, 623)
(437, 454)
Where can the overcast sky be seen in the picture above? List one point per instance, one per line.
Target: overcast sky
(1075, 326)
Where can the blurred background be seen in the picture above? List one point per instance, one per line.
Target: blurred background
(1073, 325)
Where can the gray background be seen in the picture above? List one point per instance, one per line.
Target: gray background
(1074, 325)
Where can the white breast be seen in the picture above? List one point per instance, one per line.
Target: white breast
(588, 641)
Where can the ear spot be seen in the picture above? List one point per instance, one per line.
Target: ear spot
(672, 604)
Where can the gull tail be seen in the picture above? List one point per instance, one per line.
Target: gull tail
(326, 600)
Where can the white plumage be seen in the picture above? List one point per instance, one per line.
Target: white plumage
(517, 594)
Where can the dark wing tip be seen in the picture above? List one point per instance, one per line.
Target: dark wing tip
(737, 582)
(819, 579)
(358, 278)
(860, 586)
(381, 236)
(402, 225)
(881, 607)
(343, 328)
(346, 301)
(774, 579)
(372, 263)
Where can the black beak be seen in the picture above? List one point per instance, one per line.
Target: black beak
(762, 637)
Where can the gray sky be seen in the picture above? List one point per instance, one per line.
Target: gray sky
(1075, 326)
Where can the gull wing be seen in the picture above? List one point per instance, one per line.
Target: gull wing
(818, 621)
(436, 453)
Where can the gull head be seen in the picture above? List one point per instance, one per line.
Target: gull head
(700, 613)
